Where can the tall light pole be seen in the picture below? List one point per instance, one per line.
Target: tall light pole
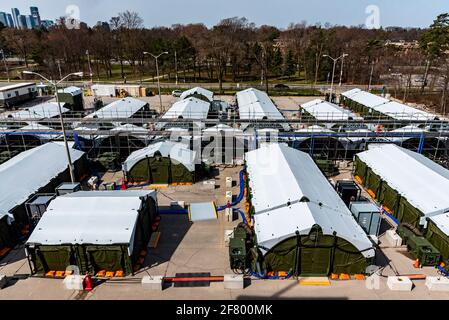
(371, 76)
(341, 71)
(90, 68)
(335, 60)
(6, 65)
(157, 72)
(176, 66)
(55, 86)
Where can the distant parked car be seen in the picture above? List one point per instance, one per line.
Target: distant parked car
(177, 93)
(281, 87)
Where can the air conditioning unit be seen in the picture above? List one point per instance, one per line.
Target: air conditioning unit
(67, 188)
(37, 206)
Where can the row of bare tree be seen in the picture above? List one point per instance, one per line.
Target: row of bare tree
(234, 50)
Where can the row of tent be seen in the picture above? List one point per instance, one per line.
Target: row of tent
(411, 187)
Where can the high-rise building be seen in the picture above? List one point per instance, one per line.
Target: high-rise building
(22, 21)
(30, 22)
(36, 16)
(15, 16)
(3, 19)
(10, 20)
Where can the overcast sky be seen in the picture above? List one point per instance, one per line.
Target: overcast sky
(405, 13)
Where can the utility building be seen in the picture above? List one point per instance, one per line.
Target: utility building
(301, 224)
(14, 94)
(97, 231)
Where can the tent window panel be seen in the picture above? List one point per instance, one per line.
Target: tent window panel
(106, 259)
(373, 182)
(54, 258)
(389, 197)
(347, 259)
(315, 261)
(282, 257)
(408, 214)
(360, 169)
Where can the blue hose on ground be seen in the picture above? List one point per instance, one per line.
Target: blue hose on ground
(264, 277)
(443, 271)
(241, 195)
(243, 216)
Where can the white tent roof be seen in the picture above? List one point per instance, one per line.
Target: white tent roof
(40, 111)
(40, 130)
(257, 105)
(26, 173)
(123, 108)
(190, 108)
(393, 109)
(323, 110)
(177, 151)
(221, 127)
(92, 217)
(280, 175)
(421, 181)
(314, 129)
(198, 90)
(365, 98)
(402, 111)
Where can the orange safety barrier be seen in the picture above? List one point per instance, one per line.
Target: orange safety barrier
(50, 273)
(358, 179)
(282, 274)
(371, 193)
(60, 274)
(360, 277)
(110, 274)
(68, 273)
(345, 276)
(119, 274)
(387, 209)
(101, 274)
(334, 276)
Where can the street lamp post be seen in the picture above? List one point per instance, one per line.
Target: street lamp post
(90, 67)
(176, 66)
(157, 72)
(6, 65)
(335, 60)
(55, 86)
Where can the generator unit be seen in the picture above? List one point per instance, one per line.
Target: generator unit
(67, 188)
(348, 191)
(368, 216)
(419, 246)
(37, 206)
(239, 245)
